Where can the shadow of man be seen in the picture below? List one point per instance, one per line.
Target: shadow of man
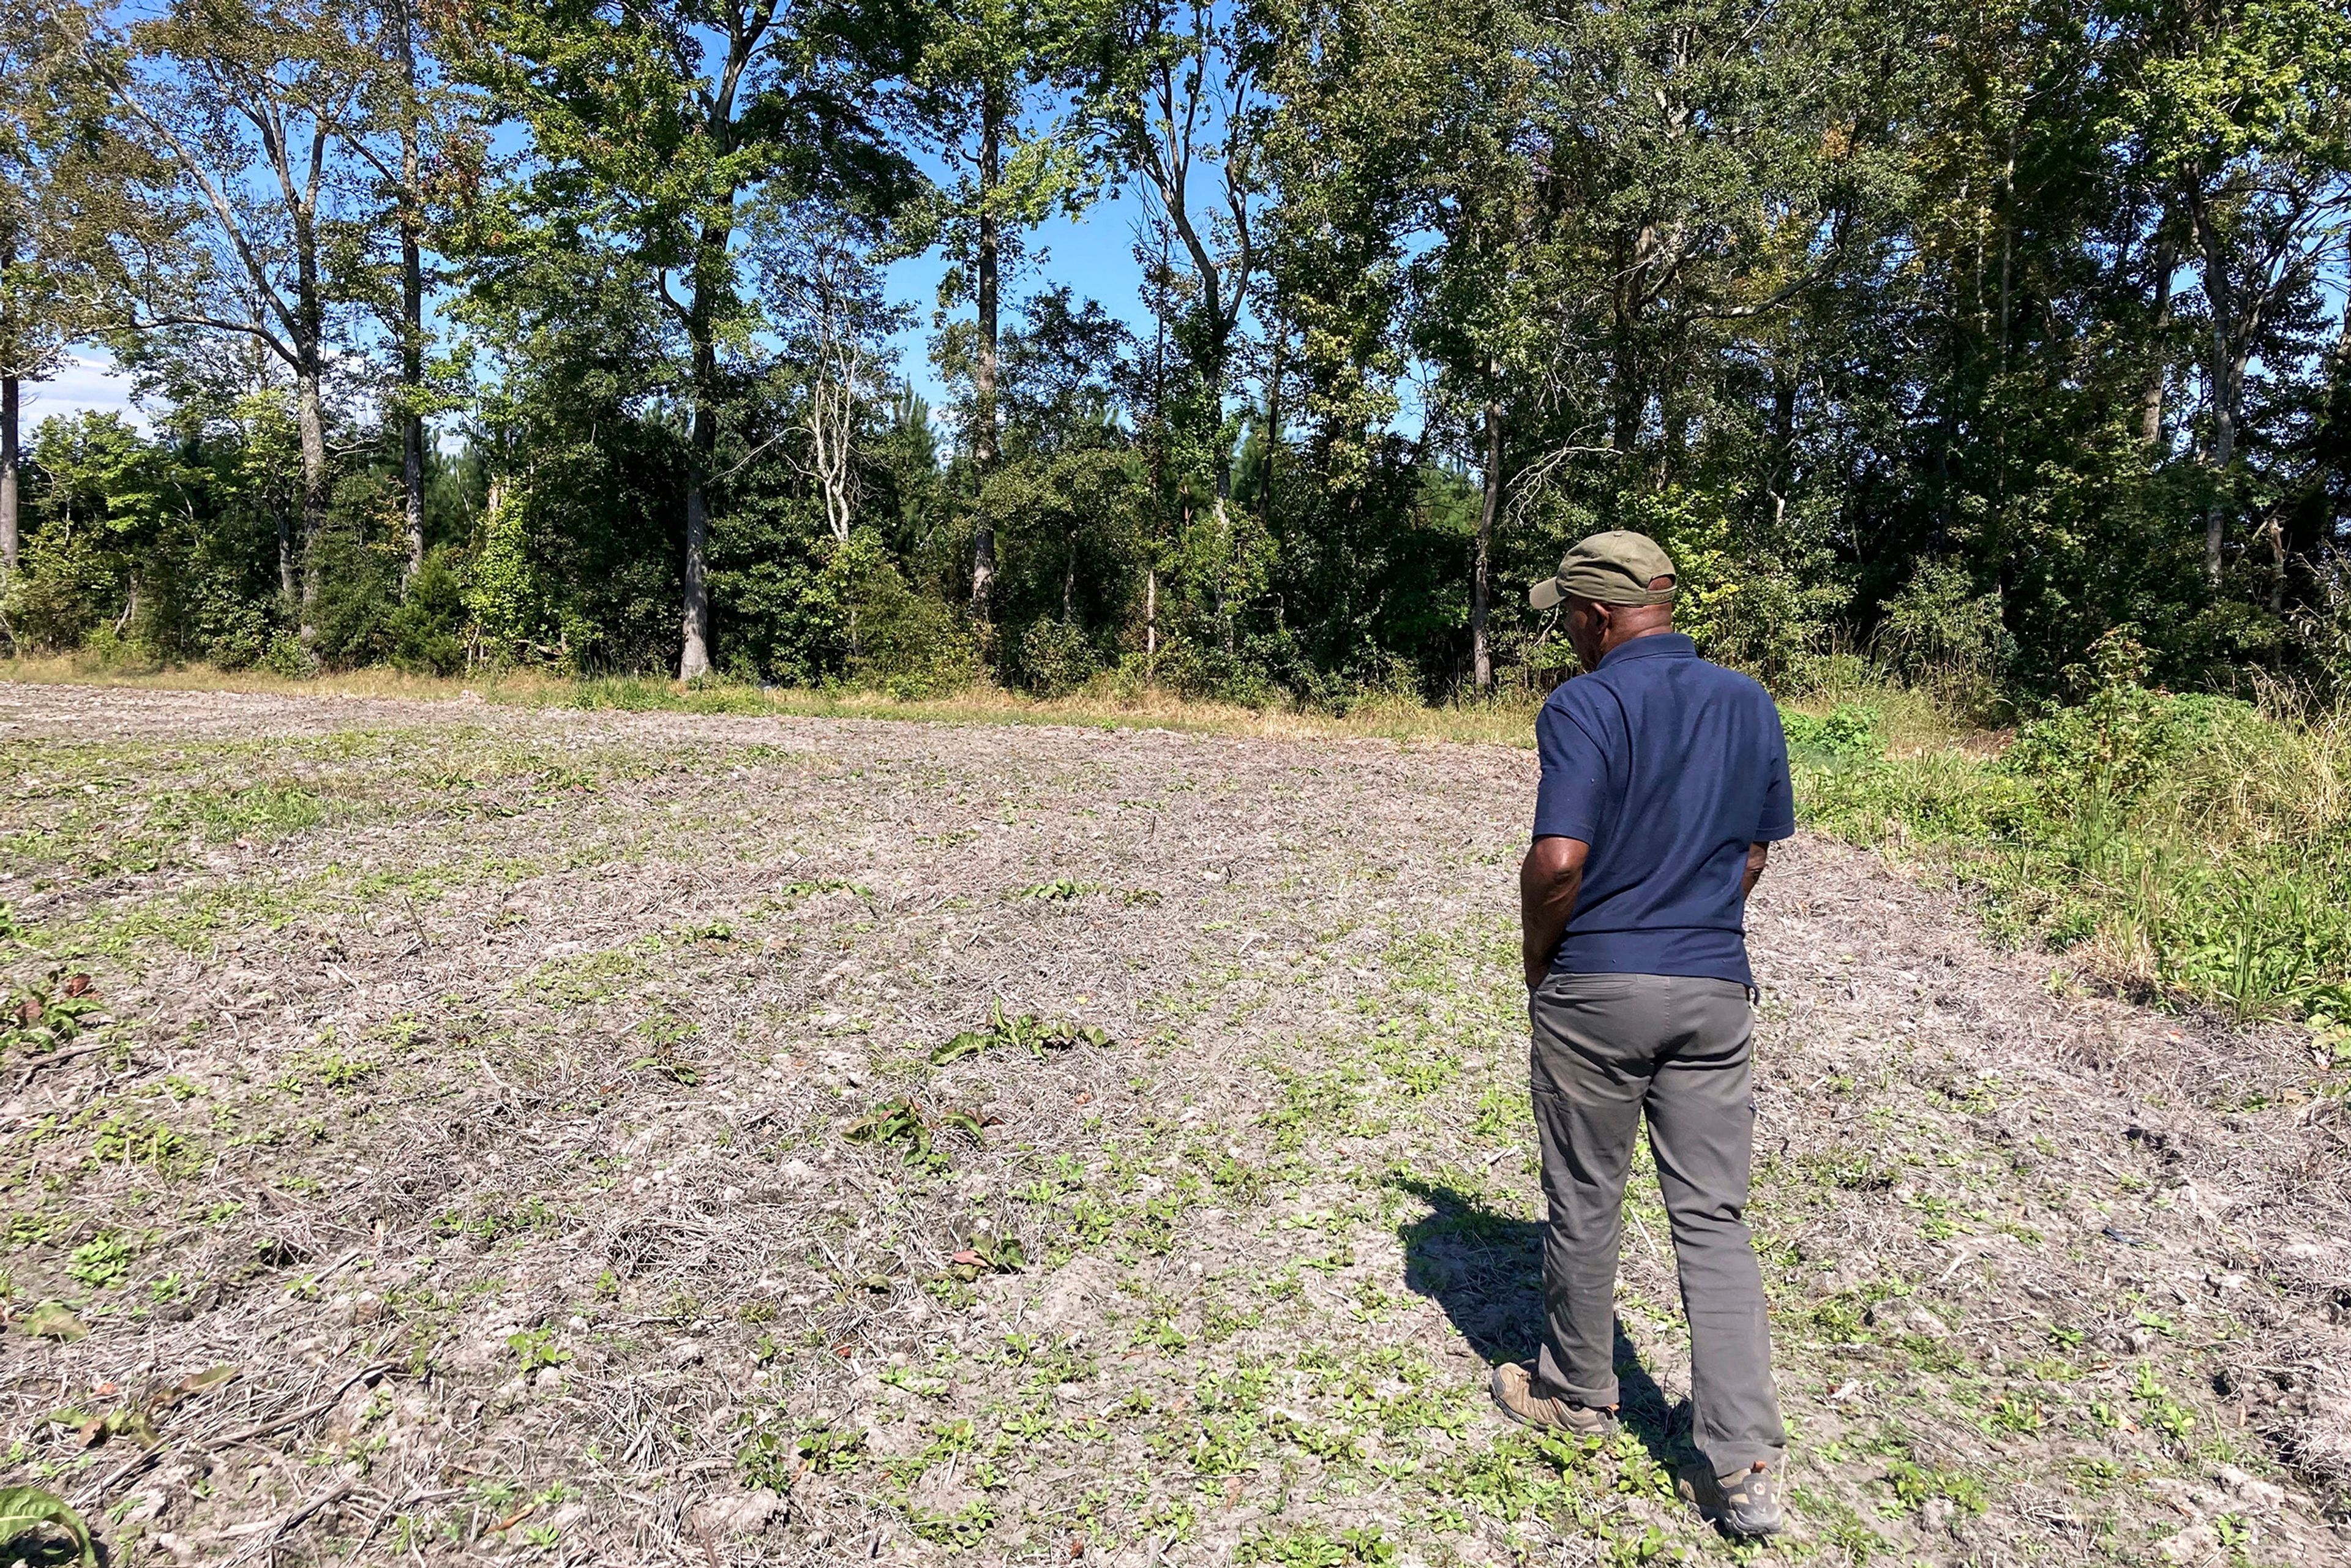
(1484, 1267)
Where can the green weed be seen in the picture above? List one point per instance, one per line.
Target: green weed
(907, 1126)
(1026, 1032)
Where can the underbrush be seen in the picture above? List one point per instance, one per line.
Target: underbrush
(2181, 847)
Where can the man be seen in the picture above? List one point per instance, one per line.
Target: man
(1665, 780)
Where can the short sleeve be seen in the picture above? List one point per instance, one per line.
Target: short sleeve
(1575, 777)
(1779, 816)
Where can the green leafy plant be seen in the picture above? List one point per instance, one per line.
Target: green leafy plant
(1025, 1032)
(907, 1126)
(29, 1512)
(47, 1017)
(535, 1348)
(776, 1461)
(1846, 734)
(988, 1255)
(99, 1263)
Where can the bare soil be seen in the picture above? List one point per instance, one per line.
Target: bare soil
(486, 1132)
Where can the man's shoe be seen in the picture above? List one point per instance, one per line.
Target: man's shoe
(1746, 1503)
(1519, 1396)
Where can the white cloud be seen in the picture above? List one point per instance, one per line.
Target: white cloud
(83, 381)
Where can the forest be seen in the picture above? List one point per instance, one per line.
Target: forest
(475, 334)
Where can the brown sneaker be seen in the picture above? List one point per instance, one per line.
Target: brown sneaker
(1744, 1502)
(1519, 1394)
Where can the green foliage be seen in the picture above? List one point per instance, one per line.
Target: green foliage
(27, 1513)
(46, 1017)
(535, 1349)
(1794, 354)
(1343, 1548)
(772, 1460)
(2177, 844)
(100, 1263)
(908, 643)
(1847, 734)
(912, 1129)
(425, 633)
(1056, 657)
(1027, 1032)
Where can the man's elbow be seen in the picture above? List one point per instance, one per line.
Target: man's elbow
(1553, 863)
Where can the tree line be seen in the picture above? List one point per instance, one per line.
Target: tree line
(484, 332)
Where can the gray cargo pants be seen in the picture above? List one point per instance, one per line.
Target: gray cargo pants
(1608, 1049)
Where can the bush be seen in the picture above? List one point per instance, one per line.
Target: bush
(1846, 734)
(1056, 657)
(909, 644)
(358, 583)
(52, 603)
(2182, 845)
(1940, 633)
(426, 634)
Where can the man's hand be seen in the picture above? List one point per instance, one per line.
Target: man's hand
(1549, 879)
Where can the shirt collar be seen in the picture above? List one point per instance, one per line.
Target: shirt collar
(1658, 645)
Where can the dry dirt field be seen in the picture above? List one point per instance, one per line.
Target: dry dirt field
(567, 1138)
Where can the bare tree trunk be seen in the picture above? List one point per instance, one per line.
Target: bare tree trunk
(983, 381)
(2225, 367)
(1481, 659)
(11, 417)
(11, 423)
(412, 303)
(693, 655)
(2225, 454)
(310, 416)
(1151, 623)
(1273, 426)
(2150, 397)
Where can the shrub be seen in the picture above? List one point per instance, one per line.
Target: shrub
(425, 633)
(1056, 657)
(909, 644)
(1940, 633)
(1847, 732)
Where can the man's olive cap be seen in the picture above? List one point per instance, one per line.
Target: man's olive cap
(1614, 568)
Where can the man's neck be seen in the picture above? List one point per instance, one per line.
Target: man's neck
(1616, 638)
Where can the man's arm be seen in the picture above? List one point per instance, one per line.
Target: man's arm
(1549, 879)
(1757, 856)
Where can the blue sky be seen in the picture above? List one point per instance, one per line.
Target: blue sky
(1093, 253)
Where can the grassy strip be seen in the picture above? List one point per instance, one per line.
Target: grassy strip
(2183, 848)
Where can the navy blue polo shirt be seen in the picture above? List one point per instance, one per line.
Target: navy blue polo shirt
(1670, 767)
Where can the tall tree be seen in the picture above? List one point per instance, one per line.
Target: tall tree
(1176, 95)
(242, 103)
(2245, 114)
(1172, 89)
(47, 124)
(983, 65)
(823, 294)
(1474, 314)
(651, 127)
(398, 120)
